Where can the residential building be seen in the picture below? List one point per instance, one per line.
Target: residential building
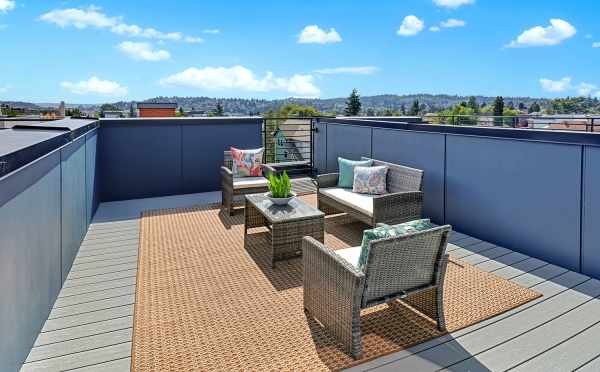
(156, 110)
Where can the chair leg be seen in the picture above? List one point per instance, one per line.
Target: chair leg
(441, 320)
(431, 303)
(356, 337)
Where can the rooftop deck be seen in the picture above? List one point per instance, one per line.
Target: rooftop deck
(90, 326)
(533, 191)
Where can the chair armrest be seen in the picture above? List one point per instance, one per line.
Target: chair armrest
(398, 207)
(226, 175)
(327, 180)
(268, 170)
(332, 291)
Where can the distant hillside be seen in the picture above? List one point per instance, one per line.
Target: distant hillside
(240, 106)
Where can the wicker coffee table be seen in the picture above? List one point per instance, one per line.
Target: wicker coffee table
(288, 224)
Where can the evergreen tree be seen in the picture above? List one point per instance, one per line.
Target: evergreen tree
(472, 104)
(535, 107)
(353, 104)
(498, 110)
(403, 109)
(219, 110)
(522, 106)
(414, 109)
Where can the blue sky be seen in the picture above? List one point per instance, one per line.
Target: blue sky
(88, 52)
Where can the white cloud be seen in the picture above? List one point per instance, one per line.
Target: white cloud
(453, 4)
(556, 86)
(212, 31)
(588, 36)
(360, 70)
(4, 88)
(95, 86)
(449, 23)
(193, 40)
(313, 34)
(596, 44)
(79, 18)
(558, 31)
(143, 51)
(147, 33)
(585, 89)
(452, 22)
(92, 17)
(566, 84)
(411, 25)
(239, 77)
(7, 5)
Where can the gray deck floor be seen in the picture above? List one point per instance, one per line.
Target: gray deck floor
(90, 326)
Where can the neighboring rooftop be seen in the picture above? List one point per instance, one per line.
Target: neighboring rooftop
(156, 105)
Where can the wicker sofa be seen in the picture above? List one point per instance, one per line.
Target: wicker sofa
(232, 186)
(402, 203)
(410, 268)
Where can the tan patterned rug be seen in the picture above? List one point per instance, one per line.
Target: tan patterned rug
(204, 302)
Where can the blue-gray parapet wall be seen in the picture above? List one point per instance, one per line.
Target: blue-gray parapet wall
(532, 191)
(142, 158)
(48, 195)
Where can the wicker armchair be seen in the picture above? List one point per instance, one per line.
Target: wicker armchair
(232, 186)
(402, 203)
(409, 268)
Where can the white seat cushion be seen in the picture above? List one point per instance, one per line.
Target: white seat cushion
(249, 182)
(350, 255)
(360, 202)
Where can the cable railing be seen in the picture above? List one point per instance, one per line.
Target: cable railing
(579, 123)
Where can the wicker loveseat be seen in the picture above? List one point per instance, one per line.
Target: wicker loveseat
(232, 186)
(402, 203)
(410, 268)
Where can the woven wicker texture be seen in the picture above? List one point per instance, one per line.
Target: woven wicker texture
(205, 302)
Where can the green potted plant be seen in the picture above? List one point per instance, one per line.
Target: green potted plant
(280, 189)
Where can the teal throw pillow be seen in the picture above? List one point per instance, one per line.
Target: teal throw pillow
(387, 231)
(346, 166)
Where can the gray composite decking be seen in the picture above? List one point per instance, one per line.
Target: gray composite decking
(90, 326)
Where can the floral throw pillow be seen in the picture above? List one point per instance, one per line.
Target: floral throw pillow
(247, 163)
(386, 231)
(370, 180)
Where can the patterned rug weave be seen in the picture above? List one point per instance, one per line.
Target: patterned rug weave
(206, 302)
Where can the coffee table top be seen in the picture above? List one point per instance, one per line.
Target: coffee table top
(295, 210)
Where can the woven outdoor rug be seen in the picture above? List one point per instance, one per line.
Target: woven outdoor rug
(204, 302)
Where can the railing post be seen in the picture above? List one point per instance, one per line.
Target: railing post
(266, 149)
(312, 145)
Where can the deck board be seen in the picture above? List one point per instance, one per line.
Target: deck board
(463, 347)
(90, 297)
(119, 365)
(591, 366)
(542, 338)
(85, 330)
(90, 326)
(568, 355)
(100, 286)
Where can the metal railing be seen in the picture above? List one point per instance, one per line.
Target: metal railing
(579, 123)
(289, 141)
